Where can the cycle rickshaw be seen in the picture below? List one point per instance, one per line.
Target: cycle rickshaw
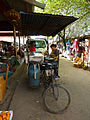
(56, 97)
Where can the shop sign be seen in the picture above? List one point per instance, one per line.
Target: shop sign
(13, 16)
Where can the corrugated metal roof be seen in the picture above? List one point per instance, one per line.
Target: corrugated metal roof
(44, 24)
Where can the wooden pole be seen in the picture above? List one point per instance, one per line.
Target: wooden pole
(15, 46)
(19, 41)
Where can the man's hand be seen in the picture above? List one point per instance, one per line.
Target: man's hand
(52, 55)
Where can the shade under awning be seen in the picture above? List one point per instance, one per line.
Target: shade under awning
(44, 24)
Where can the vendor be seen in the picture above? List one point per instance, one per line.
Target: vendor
(32, 47)
(5, 48)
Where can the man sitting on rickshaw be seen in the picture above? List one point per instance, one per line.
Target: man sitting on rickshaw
(55, 54)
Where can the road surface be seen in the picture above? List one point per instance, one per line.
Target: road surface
(27, 103)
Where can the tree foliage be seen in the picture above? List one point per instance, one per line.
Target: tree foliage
(75, 8)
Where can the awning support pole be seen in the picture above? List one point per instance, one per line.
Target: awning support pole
(64, 39)
(15, 47)
(19, 43)
(23, 40)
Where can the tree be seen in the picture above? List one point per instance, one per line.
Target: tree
(77, 8)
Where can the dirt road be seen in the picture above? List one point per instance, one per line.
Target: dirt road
(27, 103)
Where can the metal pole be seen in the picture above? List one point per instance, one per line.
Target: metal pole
(15, 46)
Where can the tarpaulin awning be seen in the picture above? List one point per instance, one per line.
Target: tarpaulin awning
(44, 24)
(39, 24)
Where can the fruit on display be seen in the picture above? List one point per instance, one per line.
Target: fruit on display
(5, 115)
(78, 62)
(77, 58)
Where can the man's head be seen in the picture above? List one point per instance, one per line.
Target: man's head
(32, 43)
(53, 47)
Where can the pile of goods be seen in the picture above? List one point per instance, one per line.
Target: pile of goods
(78, 62)
(13, 63)
(6, 115)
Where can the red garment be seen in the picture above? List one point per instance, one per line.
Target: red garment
(32, 49)
(76, 45)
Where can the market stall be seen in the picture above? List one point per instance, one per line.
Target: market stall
(81, 53)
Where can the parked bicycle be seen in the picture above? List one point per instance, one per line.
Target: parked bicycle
(56, 97)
